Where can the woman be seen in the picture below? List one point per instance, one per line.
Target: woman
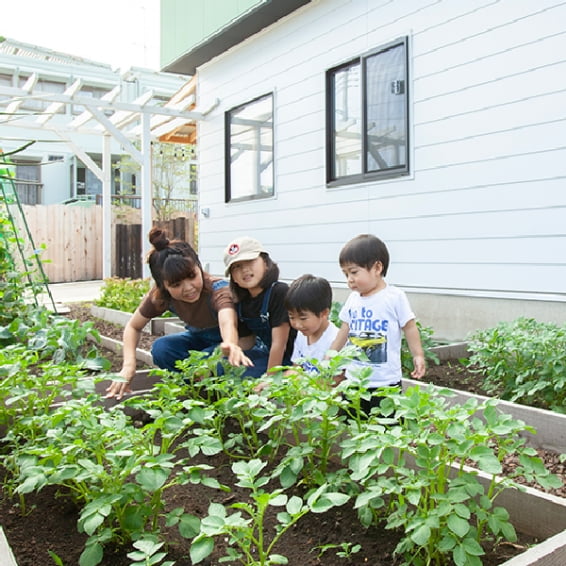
(204, 303)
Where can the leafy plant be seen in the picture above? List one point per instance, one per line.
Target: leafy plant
(122, 294)
(414, 476)
(523, 361)
(148, 553)
(427, 341)
(344, 549)
(246, 533)
(418, 472)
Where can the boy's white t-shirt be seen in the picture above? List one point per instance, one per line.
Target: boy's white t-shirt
(317, 350)
(376, 324)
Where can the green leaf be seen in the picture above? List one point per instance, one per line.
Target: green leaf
(462, 511)
(421, 535)
(458, 526)
(200, 549)
(486, 459)
(288, 477)
(189, 526)
(472, 547)
(92, 522)
(277, 559)
(148, 546)
(55, 558)
(152, 479)
(508, 531)
(294, 505)
(278, 500)
(327, 501)
(91, 555)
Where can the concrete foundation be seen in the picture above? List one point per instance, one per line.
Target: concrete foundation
(454, 316)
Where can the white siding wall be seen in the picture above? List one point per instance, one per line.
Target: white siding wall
(484, 209)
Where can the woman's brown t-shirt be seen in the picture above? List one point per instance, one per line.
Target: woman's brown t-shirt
(202, 314)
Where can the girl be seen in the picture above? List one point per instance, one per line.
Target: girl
(202, 302)
(260, 303)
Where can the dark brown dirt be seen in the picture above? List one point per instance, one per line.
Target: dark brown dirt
(50, 523)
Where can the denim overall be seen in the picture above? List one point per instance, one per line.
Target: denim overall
(166, 350)
(259, 325)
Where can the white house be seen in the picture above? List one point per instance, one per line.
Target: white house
(439, 126)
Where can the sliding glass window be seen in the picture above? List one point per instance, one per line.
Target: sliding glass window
(368, 117)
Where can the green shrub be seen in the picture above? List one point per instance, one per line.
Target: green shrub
(122, 294)
(523, 361)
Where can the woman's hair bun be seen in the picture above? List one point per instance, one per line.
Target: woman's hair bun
(158, 238)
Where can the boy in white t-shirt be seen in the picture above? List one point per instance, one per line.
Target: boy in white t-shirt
(375, 316)
(308, 302)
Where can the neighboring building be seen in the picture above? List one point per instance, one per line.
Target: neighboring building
(438, 126)
(49, 171)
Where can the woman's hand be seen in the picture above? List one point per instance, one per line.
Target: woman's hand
(235, 354)
(119, 388)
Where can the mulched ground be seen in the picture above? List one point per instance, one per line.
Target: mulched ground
(50, 521)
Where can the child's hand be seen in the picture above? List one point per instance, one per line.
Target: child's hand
(260, 386)
(420, 367)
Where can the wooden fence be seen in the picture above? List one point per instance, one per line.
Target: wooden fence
(73, 239)
(128, 238)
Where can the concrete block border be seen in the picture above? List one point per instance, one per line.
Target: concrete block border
(6, 556)
(157, 326)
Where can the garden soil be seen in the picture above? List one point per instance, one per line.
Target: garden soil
(48, 522)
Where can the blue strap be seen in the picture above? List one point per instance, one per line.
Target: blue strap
(220, 284)
(264, 314)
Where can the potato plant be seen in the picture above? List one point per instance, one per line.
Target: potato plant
(413, 466)
(523, 361)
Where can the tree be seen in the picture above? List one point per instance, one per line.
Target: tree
(173, 176)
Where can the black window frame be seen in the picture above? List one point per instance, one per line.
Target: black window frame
(227, 151)
(392, 172)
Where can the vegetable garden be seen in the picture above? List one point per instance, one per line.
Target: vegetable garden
(300, 447)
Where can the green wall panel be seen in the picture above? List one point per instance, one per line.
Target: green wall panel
(187, 23)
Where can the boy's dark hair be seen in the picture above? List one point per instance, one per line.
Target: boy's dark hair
(309, 293)
(364, 250)
(172, 261)
(271, 275)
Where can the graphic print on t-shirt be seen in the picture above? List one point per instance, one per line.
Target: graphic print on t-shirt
(369, 334)
(373, 344)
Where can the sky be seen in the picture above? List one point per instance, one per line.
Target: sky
(122, 33)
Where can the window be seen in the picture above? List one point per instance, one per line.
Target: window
(367, 116)
(249, 150)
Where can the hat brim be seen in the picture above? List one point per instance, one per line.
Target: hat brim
(241, 257)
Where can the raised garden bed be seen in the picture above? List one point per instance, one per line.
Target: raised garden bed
(545, 519)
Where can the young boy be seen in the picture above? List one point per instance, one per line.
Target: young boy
(308, 302)
(374, 315)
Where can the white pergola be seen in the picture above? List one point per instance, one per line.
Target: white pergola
(107, 118)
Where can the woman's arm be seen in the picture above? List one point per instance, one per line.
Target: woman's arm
(228, 324)
(131, 339)
(413, 338)
(279, 337)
